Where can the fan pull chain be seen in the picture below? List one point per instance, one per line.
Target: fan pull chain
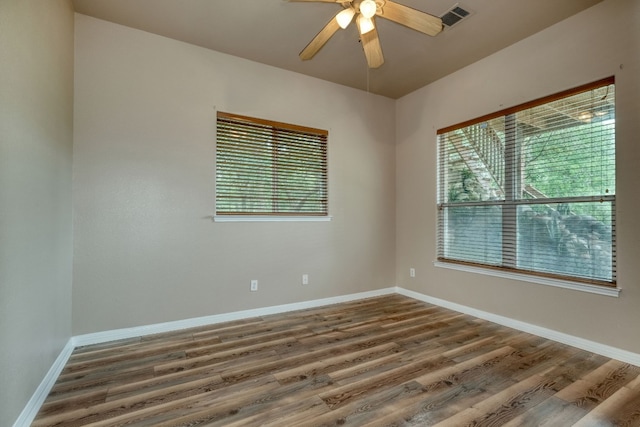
(368, 79)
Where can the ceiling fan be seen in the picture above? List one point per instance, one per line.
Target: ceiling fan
(364, 12)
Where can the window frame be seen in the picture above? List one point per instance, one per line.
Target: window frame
(276, 128)
(506, 269)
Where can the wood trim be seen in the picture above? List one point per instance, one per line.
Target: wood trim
(544, 100)
(281, 125)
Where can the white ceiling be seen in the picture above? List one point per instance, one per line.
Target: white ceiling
(273, 32)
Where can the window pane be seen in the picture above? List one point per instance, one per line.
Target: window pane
(573, 239)
(473, 160)
(568, 146)
(472, 234)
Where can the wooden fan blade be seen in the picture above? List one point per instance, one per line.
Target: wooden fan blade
(372, 49)
(320, 39)
(412, 18)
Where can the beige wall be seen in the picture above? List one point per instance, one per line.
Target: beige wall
(36, 120)
(146, 249)
(602, 41)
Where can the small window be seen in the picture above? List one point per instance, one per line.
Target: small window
(532, 189)
(270, 168)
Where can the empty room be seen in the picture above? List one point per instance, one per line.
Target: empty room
(301, 213)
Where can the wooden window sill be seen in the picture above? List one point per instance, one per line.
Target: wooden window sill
(270, 218)
(566, 284)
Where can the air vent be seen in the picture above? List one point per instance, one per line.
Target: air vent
(454, 15)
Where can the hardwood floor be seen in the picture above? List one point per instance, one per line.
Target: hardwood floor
(387, 361)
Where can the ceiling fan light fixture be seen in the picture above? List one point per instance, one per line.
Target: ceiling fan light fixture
(365, 24)
(365, 12)
(368, 8)
(344, 18)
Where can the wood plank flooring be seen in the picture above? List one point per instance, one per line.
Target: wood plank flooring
(387, 361)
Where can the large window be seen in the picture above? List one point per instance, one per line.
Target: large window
(269, 168)
(532, 189)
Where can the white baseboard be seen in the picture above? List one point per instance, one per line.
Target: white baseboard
(584, 344)
(30, 411)
(118, 334)
(33, 406)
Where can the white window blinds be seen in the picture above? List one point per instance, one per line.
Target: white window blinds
(269, 168)
(532, 188)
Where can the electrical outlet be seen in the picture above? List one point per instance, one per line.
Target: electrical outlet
(412, 272)
(254, 285)
(305, 279)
